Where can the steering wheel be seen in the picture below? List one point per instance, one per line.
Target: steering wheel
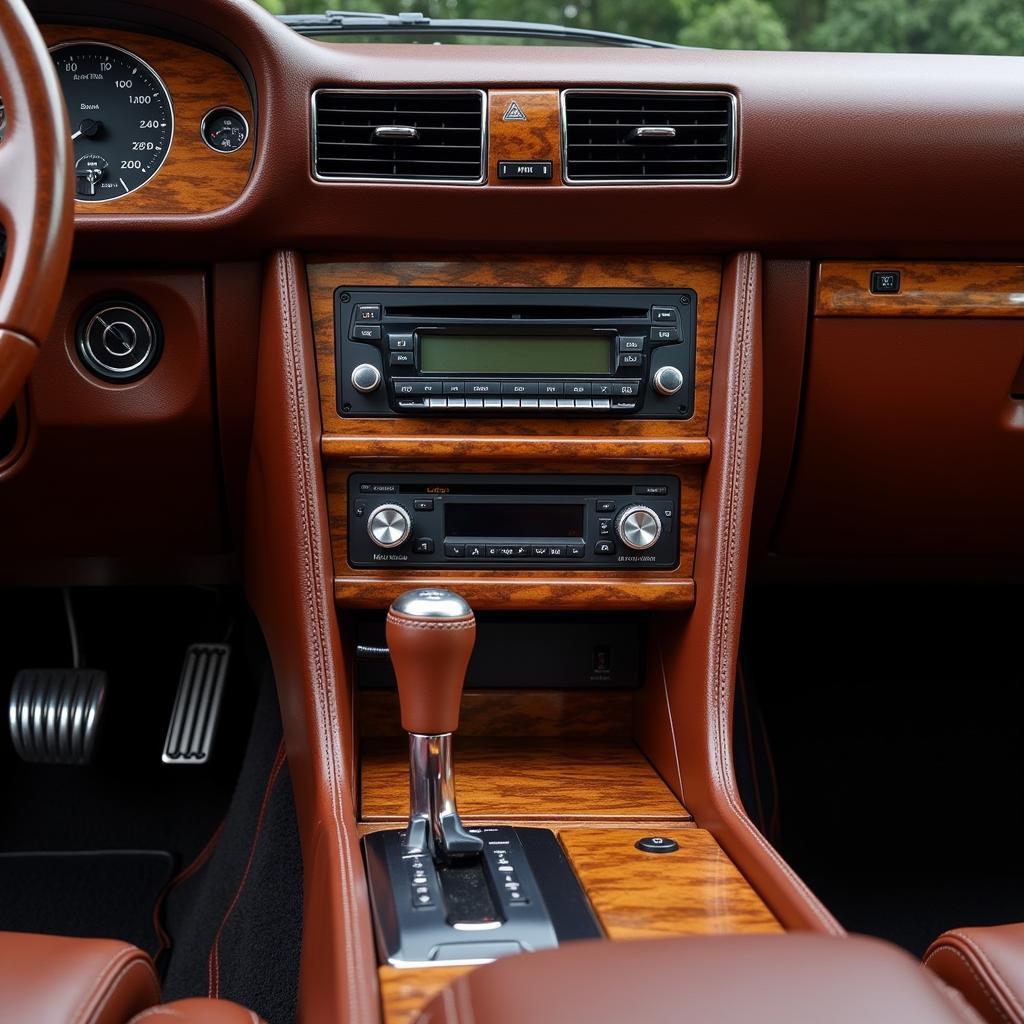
(36, 197)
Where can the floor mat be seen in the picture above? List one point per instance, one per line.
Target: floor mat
(107, 894)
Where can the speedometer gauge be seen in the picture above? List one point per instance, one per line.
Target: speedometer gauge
(121, 118)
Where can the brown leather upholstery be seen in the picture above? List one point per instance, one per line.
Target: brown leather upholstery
(986, 965)
(784, 979)
(49, 979)
(430, 657)
(197, 1011)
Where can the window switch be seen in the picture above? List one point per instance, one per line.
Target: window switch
(885, 282)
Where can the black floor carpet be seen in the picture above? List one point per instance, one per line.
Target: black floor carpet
(107, 894)
(895, 716)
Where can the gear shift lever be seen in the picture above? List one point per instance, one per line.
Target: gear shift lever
(431, 634)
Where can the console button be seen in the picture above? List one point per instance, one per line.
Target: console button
(604, 527)
(664, 334)
(577, 388)
(565, 403)
(518, 387)
(456, 403)
(604, 547)
(423, 505)
(439, 403)
(540, 551)
(584, 403)
(656, 844)
(630, 359)
(528, 403)
(483, 387)
(474, 551)
(423, 546)
(364, 332)
(405, 387)
(574, 551)
(625, 388)
(400, 342)
(606, 506)
(601, 388)
(426, 387)
(400, 359)
(548, 403)
(522, 551)
(369, 314)
(556, 551)
(663, 314)
(551, 388)
(602, 403)
(510, 403)
(474, 403)
(492, 403)
(631, 344)
(454, 550)
(454, 387)
(885, 281)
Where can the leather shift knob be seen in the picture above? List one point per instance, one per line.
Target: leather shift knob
(431, 633)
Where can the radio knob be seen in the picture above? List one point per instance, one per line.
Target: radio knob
(389, 526)
(668, 380)
(638, 527)
(366, 378)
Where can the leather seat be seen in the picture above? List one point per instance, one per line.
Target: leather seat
(987, 966)
(770, 979)
(50, 979)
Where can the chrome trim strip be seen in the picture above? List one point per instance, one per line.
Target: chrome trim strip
(159, 81)
(733, 138)
(336, 178)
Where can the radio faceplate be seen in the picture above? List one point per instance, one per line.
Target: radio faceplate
(553, 521)
(515, 352)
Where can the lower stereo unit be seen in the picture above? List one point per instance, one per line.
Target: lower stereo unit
(471, 521)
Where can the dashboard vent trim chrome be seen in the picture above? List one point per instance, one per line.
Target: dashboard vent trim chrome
(599, 134)
(458, 151)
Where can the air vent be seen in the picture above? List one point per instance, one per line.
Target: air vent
(399, 136)
(634, 136)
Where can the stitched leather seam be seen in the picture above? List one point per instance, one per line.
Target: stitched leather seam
(329, 719)
(981, 983)
(134, 957)
(436, 624)
(991, 968)
(213, 964)
(721, 633)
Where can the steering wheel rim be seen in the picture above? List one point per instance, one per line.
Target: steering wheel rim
(36, 197)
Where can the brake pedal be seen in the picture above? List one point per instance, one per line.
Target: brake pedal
(197, 704)
(54, 714)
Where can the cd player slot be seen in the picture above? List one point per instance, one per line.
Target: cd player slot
(504, 313)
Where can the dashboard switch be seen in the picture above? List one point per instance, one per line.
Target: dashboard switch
(885, 282)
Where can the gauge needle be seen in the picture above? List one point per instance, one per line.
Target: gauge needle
(76, 135)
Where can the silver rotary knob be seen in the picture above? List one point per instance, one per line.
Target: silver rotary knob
(638, 527)
(389, 526)
(366, 378)
(668, 380)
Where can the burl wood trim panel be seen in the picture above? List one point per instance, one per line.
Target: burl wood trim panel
(926, 290)
(536, 138)
(569, 714)
(566, 588)
(502, 436)
(526, 780)
(695, 891)
(193, 178)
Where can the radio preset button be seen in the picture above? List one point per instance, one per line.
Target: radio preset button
(565, 403)
(474, 403)
(574, 551)
(663, 314)
(400, 359)
(631, 359)
(400, 342)
(364, 332)
(631, 344)
(518, 387)
(577, 388)
(626, 388)
(437, 403)
(510, 403)
(584, 403)
(528, 403)
(426, 387)
(664, 334)
(404, 387)
(368, 314)
(556, 551)
(483, 387)
(454, 387)
(606, 506)
(492, 403)
(551, 388)
(548, 403)
(604, 547)
(602, 388)
(602, 403)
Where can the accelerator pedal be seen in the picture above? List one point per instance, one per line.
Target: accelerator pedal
(54, 714)
(197, 704)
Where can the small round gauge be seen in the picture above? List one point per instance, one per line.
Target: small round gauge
(122, 121)
(224, 130)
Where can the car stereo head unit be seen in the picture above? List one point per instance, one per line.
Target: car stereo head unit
(515, 351)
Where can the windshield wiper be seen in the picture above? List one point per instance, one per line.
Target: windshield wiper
(359, 23)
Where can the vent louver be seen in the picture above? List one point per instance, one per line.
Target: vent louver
(639, 136)
(399, 136)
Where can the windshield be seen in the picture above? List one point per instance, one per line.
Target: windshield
(894, 26)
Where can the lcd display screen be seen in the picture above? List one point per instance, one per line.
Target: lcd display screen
(511, 521)
(497, 354)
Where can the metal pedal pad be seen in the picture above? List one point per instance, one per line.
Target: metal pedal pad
(197, 704)
(54, 714)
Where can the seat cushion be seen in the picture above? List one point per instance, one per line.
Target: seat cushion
(56, 980)
(986, 965)
(770, 979)
(197, 1011)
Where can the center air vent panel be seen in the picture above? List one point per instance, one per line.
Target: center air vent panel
(422, 135)
(645, 136)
